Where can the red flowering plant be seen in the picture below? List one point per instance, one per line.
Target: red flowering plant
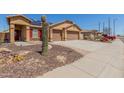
(107, 38)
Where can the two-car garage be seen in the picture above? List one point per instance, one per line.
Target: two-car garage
(66, 30)
(72, 35)
(57, 35)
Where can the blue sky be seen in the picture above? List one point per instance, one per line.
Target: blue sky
(85, 21)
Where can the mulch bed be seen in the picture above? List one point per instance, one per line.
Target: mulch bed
(34, 64)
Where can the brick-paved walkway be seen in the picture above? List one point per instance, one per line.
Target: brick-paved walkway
(107, 61)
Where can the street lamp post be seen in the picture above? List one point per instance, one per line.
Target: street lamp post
(114, 26)
(109, 26)
(103, 27)
(99, 26)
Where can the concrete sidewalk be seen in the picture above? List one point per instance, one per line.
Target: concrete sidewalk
(107, 61)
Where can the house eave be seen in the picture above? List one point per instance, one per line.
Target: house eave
(35, 26)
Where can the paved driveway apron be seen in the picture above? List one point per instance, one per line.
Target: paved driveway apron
(104, 60)
(81, 46)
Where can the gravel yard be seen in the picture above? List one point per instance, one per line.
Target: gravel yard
(34, 64)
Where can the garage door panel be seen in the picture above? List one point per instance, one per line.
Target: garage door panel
(57, 35)
(72, 35)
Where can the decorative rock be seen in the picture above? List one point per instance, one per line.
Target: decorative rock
(23, 53)
(5, 49)
(10, 59)
(37, 60)
(49, 46)
(1, 61)
(7, 56)
(61, 59)
(43, 62)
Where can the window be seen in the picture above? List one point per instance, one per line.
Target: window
(35, 33)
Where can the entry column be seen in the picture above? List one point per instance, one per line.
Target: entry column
(27, 33)
(65, 34)
(11, 31)
(79, 35)
(50, 34)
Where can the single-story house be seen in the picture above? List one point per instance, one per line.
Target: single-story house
(4, 36)
(89, 34)
(22, 28)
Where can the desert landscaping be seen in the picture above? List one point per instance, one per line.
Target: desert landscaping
(26, 61)
(73, 58)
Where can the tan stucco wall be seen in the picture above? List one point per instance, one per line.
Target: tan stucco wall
(11, 31)
(27, 33)
(19, 20)
(81, 35)
(73, 28)
(19, 23)
(61, 26)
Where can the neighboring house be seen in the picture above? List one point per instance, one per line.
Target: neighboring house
(89, 34)
(22, 28)
(4, 37)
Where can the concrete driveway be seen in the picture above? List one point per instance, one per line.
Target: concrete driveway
(103, 61)
(82, 46)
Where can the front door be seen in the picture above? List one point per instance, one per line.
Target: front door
(17, 35)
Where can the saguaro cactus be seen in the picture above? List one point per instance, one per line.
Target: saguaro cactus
(44, 35)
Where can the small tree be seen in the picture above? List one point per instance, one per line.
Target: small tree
(44, 35)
